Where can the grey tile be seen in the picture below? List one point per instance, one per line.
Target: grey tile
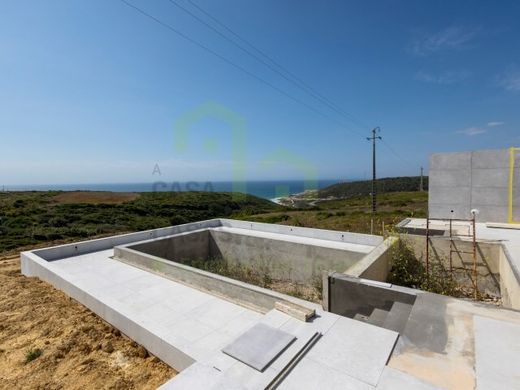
(309, 374)
(394, 379)
(355, 348)
(497, 353)
(259, 346)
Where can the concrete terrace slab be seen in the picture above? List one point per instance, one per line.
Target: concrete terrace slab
(183, 317)
(394, 379)
(220, 370)
(259, 346)
(447, 342)
(497, 347)
(362, 355)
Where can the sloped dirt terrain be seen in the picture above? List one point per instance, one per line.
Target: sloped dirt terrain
(50, 341)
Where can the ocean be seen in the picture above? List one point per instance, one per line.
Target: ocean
(262, 189)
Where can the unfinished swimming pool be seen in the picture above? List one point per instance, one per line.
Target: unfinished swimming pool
(227, 257)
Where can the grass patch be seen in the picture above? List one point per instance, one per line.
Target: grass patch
(408, 271)
(32, 355)
(353, 214)
(95, 197)
(30, 218)
(259, 275)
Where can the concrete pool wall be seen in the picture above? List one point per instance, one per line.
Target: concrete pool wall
(285, 253)
(285, 258)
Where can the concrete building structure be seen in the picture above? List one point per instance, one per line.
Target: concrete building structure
(390, 338)
(487, 180)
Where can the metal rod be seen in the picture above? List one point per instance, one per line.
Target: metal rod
(475, 257)
(427, 246)
(451, 250)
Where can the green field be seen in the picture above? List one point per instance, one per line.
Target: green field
(30, 219)
(353, 214)
(364, 187)
(33, 218)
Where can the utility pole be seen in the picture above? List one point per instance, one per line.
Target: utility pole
(421, 188)
(373, 139)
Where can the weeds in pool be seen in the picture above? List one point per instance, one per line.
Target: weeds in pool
(32, 354)
(317, 284)
(260, 275)
(296, 291)
(408, 271)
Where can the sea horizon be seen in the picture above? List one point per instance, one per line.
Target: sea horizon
(266, 189)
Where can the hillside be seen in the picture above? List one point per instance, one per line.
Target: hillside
(32, 218)
(352, 214)
(362, 188)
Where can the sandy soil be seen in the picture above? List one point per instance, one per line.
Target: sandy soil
(78, 349)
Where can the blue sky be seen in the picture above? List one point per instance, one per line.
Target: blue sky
(91, 91)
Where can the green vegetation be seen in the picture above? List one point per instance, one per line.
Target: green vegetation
(408, 271)
(31, 218)
(28, 219)
(259, 275)
(353, 214)
(32, 354)
(363, 188)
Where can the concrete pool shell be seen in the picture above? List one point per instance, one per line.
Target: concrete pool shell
(285, 253)
(187, 316)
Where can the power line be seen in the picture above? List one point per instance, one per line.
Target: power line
(239, 67)
(404, 161)
(292, 78)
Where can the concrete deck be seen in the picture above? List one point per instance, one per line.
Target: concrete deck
(187, 321)
(467, 344)
(188, 328)
(447, 343)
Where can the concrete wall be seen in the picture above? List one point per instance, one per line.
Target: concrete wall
(33, 265)
(488, 263)
(350, 296)
(84, 247)
(376, 265)
(509, 281)
(191, 246)
(297, 231)
(285, 260)
(464, 181)
(250, 296)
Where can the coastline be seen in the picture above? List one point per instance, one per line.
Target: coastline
(262, 189)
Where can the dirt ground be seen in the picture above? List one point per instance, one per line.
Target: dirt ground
(78, 349)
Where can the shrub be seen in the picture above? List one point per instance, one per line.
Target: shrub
(32, 354)
(408, 271)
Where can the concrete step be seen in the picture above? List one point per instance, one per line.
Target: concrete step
(397, 317)
(377, 317)
(360, 317)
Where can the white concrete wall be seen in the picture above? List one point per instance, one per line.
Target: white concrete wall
(377, 264)
(285, 260)
(509, 281)
(473, 180)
